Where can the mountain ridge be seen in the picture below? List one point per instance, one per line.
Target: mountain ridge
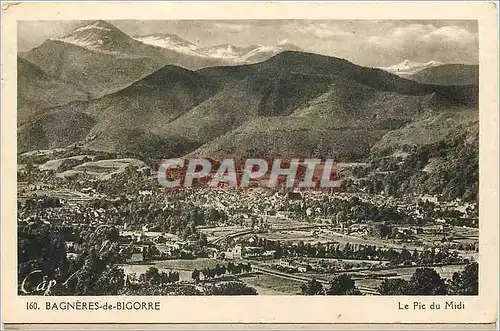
(38, 91)
(185, 110)
(448, 74)
(102, 59)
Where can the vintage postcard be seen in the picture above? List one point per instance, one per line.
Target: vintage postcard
(236, 163)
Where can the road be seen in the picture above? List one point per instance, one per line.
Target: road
(364, 290)
(250, 231)
(232, 235)
(351, 239)
(398, 247)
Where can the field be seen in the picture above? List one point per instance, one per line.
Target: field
(320, 235)
(278, 222)
(264, 283)
(445, 271)
(103, 169)
(187, 264)
(294, 236)
(329, 261)
(271, 285)
(464, 235)
(184, 267)
(220, 231)
(54, 165)
(405, 273)
(24, 190)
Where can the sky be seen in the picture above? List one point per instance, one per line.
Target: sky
(365, 42)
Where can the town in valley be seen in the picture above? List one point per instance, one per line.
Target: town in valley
(101, 104)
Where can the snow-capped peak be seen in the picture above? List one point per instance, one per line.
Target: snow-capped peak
(103, 37)
(287, 45)
(408, 67)
(99, 25)
(169, 41)
(226, 51)
(263, 52)
(283, 42)
(98, 36)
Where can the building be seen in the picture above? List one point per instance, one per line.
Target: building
(292, 265)
(234, 253)
(253, 251)
(428, 198)
(301, 268)
(136, 257)
(285, 263)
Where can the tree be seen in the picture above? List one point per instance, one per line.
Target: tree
(465, 282)
(40, 247)
(230, 268)
(342, 285)
(405, 255)
(202, 241)
(112, 234)
(396, 286)
(426, 281)
(152, 276)
(206, 273)
(213, 215)
(196, 275)
(218, 270)
(278, 254)
(231, 288)
(383, 230)
(95, 278)
(312, 287)
(415, 256)
(110, 282)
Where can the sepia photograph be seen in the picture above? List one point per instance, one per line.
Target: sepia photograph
(99, 103)
(247, 157)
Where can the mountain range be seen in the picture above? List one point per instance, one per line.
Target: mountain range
(226, 54)
(102, 89)
(101, 59)
(448, 74)
(161, 96)
(437, 73)
(295, 103)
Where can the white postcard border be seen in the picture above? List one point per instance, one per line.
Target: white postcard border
(261, 309)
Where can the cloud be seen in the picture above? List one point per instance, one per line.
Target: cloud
(365, 42)
(231, 27)
(400, 37)
(448, 43)
(32, 33)
(450, 34)
(320, 30)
